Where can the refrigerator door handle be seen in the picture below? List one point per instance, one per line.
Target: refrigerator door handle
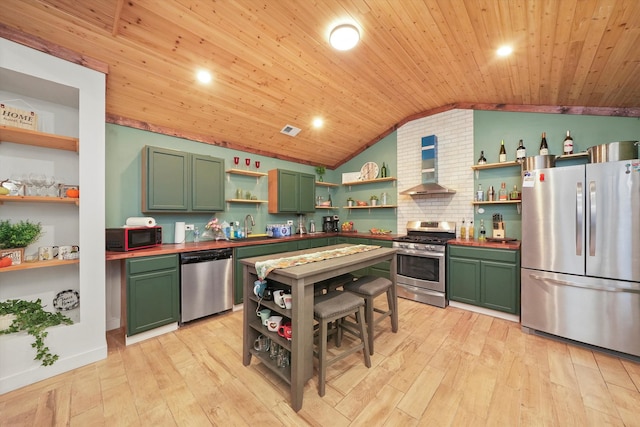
(592, 218)
(557, 282)
(579, 219)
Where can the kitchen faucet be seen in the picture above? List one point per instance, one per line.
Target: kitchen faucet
(246, 228)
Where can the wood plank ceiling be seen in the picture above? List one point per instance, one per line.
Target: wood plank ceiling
(272, 65)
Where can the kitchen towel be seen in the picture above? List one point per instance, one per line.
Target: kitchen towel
(137, 221)
(179, 233)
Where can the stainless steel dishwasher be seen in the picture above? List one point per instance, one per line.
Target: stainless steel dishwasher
(206, 283)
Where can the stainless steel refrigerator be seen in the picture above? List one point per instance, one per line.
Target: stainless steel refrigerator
(580, 253)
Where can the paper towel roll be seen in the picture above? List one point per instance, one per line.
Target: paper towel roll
(145, 221)
(179, 233)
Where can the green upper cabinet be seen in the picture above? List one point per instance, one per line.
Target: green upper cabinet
(207, 183)
(176, 181)
(291, 192)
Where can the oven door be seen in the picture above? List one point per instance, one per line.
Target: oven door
(421, 269)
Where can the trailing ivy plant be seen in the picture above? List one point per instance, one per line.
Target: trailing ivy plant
(31, 317)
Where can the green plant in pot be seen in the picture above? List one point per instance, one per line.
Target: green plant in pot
(350, 201)
(30, 317)
(320, 170)
(374, 200)
(18, 235)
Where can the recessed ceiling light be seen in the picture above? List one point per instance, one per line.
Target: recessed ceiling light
(504, 50)
(318, 122)
(344, 37)
(204, 76)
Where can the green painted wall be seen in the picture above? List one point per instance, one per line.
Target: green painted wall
(123, 180)
(490, 127)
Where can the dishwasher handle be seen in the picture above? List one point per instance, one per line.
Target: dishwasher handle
(205, 256)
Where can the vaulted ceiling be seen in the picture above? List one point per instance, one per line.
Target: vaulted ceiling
(272, 65)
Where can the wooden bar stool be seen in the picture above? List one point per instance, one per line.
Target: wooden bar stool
(369, 287)
(335, 307)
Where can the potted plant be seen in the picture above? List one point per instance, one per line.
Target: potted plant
(320, 170)
(349, 202)
(30, 316)
(374, 200)
(15, 237)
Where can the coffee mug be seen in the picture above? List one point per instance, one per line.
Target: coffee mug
(259, 287)
(46, 253)
(264, 315)
(262, 343)
(285, 330)
(278, 297)
(273, 323)
(267, 295)
(287, 301)
(68, 252)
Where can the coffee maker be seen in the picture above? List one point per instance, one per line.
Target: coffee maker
(331, 223)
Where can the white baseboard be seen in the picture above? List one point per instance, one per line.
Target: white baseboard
(486, 311)
(151, 334)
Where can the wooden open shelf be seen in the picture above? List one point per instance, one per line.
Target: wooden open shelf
(496, 165)
(38, 139)
(39, 199)
(326, 184)
(370, 181)
(246, 172)
(246, 201)
(39, 264)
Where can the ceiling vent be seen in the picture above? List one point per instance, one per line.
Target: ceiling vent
(290, 130)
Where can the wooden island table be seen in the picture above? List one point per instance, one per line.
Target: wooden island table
(300, 280)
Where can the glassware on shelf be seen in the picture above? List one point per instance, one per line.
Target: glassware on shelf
(247, 162)
(236, 160)
(257, 164)
(50, 181)
(37, 180)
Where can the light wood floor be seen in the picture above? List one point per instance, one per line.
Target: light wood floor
(445, 367)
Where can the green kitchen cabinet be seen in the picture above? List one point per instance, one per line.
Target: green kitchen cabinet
(176, 181)
(153, 292)
(242, 252)
(291, 192)
(485, 277)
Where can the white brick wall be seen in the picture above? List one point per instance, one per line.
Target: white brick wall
(454, 130)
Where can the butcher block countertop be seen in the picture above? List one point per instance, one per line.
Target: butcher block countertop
(514, 245)
(172, 248)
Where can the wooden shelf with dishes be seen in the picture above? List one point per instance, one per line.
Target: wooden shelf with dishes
(39, 264)
(495, 165)
(38, 139)
(39, 199)
(371, 207)
(518, 203)
(370, 181)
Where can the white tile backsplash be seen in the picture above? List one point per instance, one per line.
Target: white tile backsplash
(454, 130)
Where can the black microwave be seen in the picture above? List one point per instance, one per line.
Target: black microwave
(131, 238)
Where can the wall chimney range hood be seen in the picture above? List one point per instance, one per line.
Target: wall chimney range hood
(429, 168)
(427, 188)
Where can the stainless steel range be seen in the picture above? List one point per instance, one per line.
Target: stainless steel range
(421, 261)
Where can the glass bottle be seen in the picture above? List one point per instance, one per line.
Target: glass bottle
(472, 231)
(383, 171)
(514, 193)
(521, 152)
(503, 153)
(330, 201)
(480, 194)
(481, 159)
(567, 145)
(491, 194)
(483, 233)
(463, 230)
(502, 194)
(196, 235)
(544, 148)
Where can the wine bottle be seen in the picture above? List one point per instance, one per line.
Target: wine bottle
(481, 159)
(383, 171)
(503, 153)
(521, 152)
(330, 201)
(463, 230)
(567, 145)
(471, 234)
(544, 148)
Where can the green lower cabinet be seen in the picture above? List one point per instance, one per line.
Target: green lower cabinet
(485, 277)
(251, 251)
(153, 292)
